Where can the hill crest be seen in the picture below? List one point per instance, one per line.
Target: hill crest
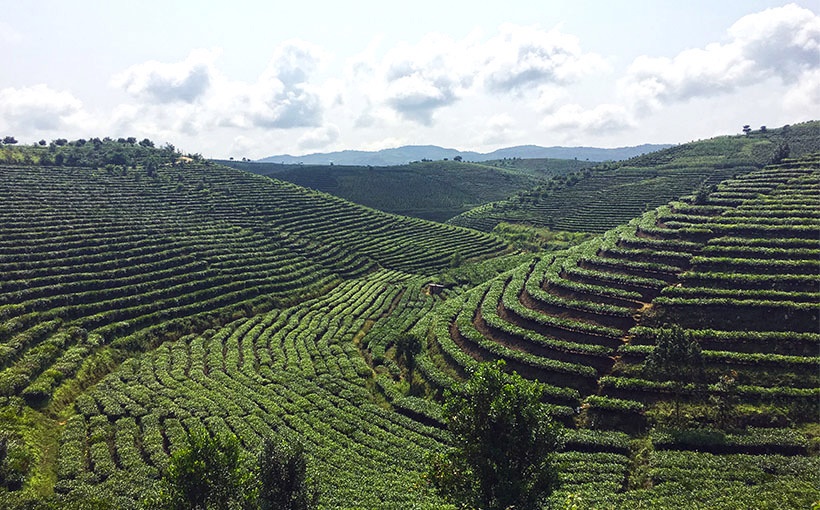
(409, 153)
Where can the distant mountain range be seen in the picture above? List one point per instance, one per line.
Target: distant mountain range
(408, 153)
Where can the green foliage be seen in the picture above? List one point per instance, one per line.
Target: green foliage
(95, 152)
(14, 463)
(614, 192)
(284, 483)
(503, 443)
(206, 473)
(434, 190)
(408, 346)
(536, 239)
(677, 356)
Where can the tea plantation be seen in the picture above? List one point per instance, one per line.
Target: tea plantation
(143, 299)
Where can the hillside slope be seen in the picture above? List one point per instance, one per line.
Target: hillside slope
(409, 153)
(613, 193)
(433, 190)
(739, 272)
(117, 253)
(139, 303)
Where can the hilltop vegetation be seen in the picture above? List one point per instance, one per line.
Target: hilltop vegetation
(144, 302)
(692, 328)
(433, 190)
(607, 195)
(408, 153)
(100, 264)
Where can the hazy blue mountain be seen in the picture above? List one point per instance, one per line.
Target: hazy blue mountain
(408, 153)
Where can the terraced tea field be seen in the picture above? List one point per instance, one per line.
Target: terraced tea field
(739, 272)
(137, 305)
(100, 265)
(610, 194)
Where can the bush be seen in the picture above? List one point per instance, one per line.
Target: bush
(504, 442)
(206, 473)
(284, 483)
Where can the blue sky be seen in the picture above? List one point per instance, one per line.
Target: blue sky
(251, 79)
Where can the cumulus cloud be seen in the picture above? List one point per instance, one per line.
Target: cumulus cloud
(604, 118)
(9, 34)
(781, 43)
(38, 108)
(415, 81)
(422, 78)
(319, 137)
(499, 129)
(192, 95)
(522, 58)
(805, 95)
(163, 82)
(283, 97)
(274, 106)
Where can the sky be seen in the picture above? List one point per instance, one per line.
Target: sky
(255, 79)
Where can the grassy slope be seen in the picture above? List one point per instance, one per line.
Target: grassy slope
(100, 264)
(301, 366)
(434, 190)
(615, 192)
(740, 271)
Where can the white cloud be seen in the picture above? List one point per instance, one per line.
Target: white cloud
(38, 108)
(524, 58)
(604, 118)
(192, 95)
(283, 97)
(417, 80)
(9, 34)
(384, 143)
(162, 82)
(293, 62)
(783, 43)
(499, 129)
(319, 138)
(549, 97)
(805, 95)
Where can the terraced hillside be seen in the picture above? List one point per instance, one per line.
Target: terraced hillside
(433, 190)
(140, 303)
(100, 264)
(740, 272)
(614, 193)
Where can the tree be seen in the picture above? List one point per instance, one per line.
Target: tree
(503, 441)
(283, 477)
(206, 473)
(702, 194)
(747, 129)
(457, 158)
(456, 259)
(9, 140)
(408, 346)
(676, 357)
(145, 142)
(781, 152)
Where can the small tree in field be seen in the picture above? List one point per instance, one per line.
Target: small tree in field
(408, 345)
(206, 473)
(676, 357)
(503, 441)
(283, 480)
